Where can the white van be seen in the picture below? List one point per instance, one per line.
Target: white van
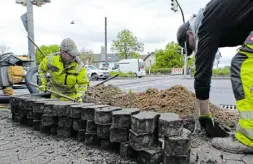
(135, 66)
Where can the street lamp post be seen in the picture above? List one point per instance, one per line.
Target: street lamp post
(27, 20)
(175, 5)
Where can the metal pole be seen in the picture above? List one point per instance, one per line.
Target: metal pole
(185, 55)
(106, 40)
(30, 25)
(185, 61)
(181, 11)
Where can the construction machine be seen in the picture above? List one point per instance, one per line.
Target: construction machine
(12, 71)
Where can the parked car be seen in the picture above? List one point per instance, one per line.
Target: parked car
(95, 73)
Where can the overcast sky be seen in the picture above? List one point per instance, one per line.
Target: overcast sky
(152, 21)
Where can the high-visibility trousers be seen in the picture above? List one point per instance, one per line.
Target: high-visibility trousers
(242, 84)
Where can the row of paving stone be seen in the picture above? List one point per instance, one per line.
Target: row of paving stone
(148, 137)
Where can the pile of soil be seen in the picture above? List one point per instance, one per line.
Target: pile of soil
(176, 99)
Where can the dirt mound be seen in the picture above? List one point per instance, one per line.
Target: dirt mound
(176, 99)
(103, 94)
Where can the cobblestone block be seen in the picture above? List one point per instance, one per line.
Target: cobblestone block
(36, 124)
(91, 139)
(29, 114)
(103, 116)
(65, 122)
(105, 143)
(30, 122)
(126, 151)
(64, 132)
(63, 108)
(167, 159)
(75, 111)
(103, 131)
(88, 112)
(37, 116)
(122, 118)
(151, 156)
(48, 107)
(91, 127)
(189, 124)
(178, 145)
(47, 120)
(142, 141)
(170, 125)
(145, 122)
(28, 103)
(53, 129)
(77, 124)
(16, 117)
(119, 134)
(81, 135)
(45, 129)
(38, 106)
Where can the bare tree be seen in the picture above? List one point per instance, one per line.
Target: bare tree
(4, 48)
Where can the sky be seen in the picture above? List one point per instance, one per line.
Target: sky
(151, 21)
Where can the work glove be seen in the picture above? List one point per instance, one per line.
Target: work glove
(213, 128)
(42, 88)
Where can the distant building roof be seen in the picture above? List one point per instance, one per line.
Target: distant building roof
(146, 56)
(143, 56)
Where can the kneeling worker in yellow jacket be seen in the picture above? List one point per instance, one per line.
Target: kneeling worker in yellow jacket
(67, 73)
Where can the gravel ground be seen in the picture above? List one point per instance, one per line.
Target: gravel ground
(20, 144)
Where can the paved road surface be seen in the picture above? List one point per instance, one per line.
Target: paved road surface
(221, 90)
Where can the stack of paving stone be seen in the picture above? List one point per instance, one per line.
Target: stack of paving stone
(65, 122)
(18, 110)
(103, 120)
(79, 125)
(143, 137)
(38, 112)
(121, 123)
(149, 137)
(175, 138)
(87, 115)
(119, 130)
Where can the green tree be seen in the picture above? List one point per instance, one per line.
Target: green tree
(169, 57)
(190, 62)
(46, 49)
(126, 45)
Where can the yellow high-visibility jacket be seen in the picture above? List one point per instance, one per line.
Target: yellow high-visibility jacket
(70, 80)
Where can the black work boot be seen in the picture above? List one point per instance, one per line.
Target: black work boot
(212, 128)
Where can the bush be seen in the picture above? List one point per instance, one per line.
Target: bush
(121, 74)
(218, 72)
(158, 70)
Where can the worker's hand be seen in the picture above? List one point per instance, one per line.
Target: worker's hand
(43, 88)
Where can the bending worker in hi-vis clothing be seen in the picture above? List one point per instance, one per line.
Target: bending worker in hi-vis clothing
(67, 72)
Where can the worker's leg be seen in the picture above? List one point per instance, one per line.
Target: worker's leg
(243, 91)
(242, 83)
